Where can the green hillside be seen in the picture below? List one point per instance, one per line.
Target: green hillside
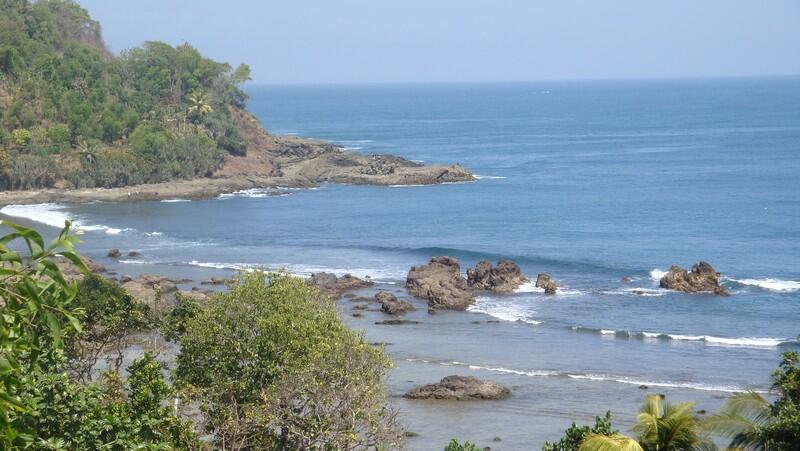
(74, 115)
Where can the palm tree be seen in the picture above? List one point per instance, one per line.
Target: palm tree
(88, 151)
(661, 426)
(616, 442)
(198, 105)
(740, 419)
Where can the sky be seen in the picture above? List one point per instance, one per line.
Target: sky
(379, 41)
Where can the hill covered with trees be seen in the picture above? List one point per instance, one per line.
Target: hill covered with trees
(74, 115)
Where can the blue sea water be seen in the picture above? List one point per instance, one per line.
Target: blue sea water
(591, 182)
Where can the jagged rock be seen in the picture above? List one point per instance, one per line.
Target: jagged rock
(114, 253)
(543, 280)
(460, 388)
(391, 305)
(145, 288)
(440, 282)
(214, 281)
(334, 286)
(703, 278)
(503, 278)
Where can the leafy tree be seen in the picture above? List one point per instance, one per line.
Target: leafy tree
(198, 106)
(109, 317)
(575, 435)
(274, 367)
(750, 422)
(661, 426)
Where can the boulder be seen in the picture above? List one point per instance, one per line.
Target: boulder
(503, 278)
(334, 286)
(543, 280)
(214, 281)
(134, 254)
(391, 305)
(145, 288)
(440, 283)
(114, 253)
(460, 388)
(703, 278)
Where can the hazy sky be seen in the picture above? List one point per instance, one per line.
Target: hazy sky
(342, 41)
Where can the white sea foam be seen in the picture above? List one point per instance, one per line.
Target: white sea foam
(489, 177)
(505, 310)
(404, 186)
(152, 234)
(55, 215)
(593, 377)
(778, 285)
(377, 275)
(175, 200)
(657, 274)
(757, 342)
(352, 148)
(255, 193)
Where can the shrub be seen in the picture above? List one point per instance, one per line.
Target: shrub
(455, 446)
(574, 435)
(275, 368)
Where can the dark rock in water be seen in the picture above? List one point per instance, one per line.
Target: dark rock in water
(503, 278)
(543, 280)
(626, 279)
(703, 278)
(395, 322)
(349, 296)
(214, 281)
(134, 254)
(391, 305)
(460, 388)
(334, 286)
(440, 282)
(360, 307)
(114, 253)
(410, 434)
(497, 439)
(357, 315)
(643, 387)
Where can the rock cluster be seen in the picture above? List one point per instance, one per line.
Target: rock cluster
(440, 282)
(703, 278)
(543, 280)
(460, 388)
(334, 286)
(503, 278)
(391, 305)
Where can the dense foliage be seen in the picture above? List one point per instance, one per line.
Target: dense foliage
(274, 367)
(574, 435)
(71, 111)
(41, 405)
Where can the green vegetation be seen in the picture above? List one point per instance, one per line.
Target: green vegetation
(41, 405)
(575, 435)
(71, 113)
(274, 367)
(455, 446)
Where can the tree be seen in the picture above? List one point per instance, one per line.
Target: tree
(750, 422)
(88, 151)
(661, 426)
(274, 367)
(35, 313)
(198, 106)
(574, 435)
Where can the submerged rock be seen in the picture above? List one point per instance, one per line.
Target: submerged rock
(703, 278)
(440, 282)
(395, 322)
(214, 281)
(391, 305)
(503, 278)
(460, 388)
(114, 253)
(543, 280)
(334, 286)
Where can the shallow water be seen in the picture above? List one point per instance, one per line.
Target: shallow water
(588, 181)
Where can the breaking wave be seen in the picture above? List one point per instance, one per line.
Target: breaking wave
(776, 285)
(55, 215)
(589, 377)
(755, 342)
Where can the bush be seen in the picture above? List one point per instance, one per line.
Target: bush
(275, 368)
(455, 446)
(574, 435)
(109, 316)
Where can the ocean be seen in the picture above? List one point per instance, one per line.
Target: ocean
(591, 182)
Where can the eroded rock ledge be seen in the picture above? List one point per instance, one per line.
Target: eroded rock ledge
(460, 388)
(703, 278)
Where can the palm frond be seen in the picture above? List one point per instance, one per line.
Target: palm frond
(616, 442)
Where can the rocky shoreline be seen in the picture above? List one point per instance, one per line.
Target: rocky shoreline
(272, 162)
